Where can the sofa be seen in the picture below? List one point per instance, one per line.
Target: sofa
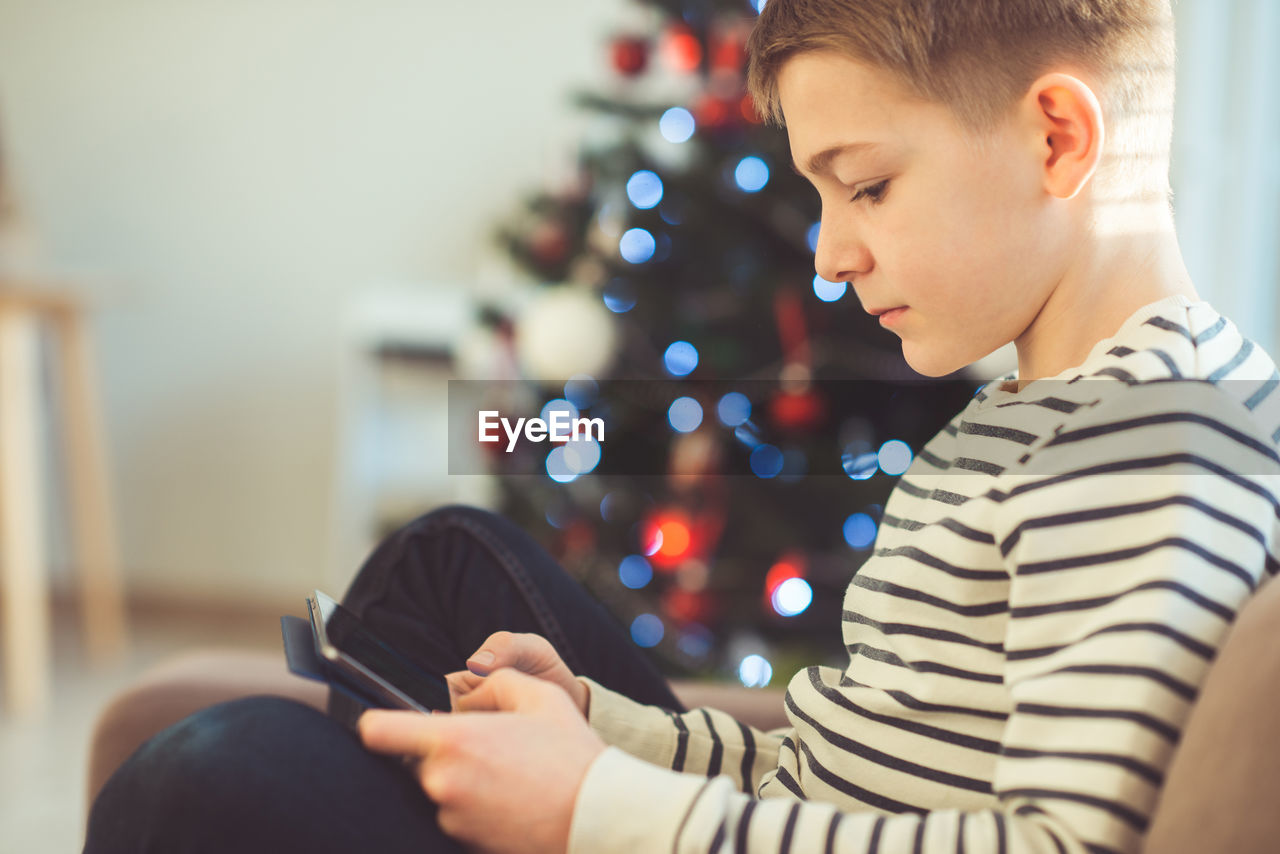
(1218, 796)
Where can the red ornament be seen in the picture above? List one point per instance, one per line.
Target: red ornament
(797, 411)
(668, 539)
(630, 55)
(728, 54)
(715, 113)
(549, 243)
(681, 48)
(688, 606)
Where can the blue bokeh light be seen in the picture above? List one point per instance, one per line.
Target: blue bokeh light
(751, 174)
(611, 506)
(644, 189)
(647, 630)
(860, 466)
(637, 245)
(812, 236)
(791, 597)
(766, 461)
(677, 125)
(684, 415)
(619, 296)
(634, 572)
(581, 455)
(581, 390)
(733, 409)
(895, 457)
(558, 468)
(559, 405)
(860, 531)
(695, 640)
(755, 671)
(680, 359)
(828, 291)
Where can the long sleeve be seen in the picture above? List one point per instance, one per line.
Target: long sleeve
(1131, 539)
(701, 741)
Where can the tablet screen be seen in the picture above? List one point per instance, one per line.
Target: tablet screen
(352, 638)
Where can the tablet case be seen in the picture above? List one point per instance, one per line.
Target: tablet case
(303, 659)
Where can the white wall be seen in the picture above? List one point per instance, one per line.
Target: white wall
(241, 168)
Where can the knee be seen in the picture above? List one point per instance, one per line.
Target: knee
(453, 515)
(193, 777)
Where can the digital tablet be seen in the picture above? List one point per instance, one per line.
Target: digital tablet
(369, 664)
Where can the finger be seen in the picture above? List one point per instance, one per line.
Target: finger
(508, 690)
(522, 650)
(400, 732)
(461, 682)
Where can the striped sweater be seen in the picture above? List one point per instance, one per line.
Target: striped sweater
(1051, 579)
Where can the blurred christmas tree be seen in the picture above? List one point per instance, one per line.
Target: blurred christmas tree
(678, 280)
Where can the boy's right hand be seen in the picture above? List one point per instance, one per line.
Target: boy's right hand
(525, 651)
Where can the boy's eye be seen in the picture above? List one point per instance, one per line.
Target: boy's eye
(873, 193)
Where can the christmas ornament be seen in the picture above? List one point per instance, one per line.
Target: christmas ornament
(681, 49)
(564, 331)
(630, 55)
(549, 243)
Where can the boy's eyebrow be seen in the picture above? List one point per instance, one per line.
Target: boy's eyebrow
(818, 162)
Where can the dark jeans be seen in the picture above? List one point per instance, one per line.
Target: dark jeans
(269, 774)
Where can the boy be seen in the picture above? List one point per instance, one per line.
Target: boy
(1053, 574)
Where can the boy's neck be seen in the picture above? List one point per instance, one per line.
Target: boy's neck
(1128, 258)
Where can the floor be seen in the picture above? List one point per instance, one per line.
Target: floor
(43, 762)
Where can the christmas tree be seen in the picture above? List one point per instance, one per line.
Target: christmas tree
(757, 416)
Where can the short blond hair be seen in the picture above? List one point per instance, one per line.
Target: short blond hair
(980, 56)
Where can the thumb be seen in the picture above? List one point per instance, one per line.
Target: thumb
(508, 690)
(521, 650)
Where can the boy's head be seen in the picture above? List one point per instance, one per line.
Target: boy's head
(987, 118)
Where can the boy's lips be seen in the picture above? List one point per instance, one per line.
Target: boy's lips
(888, 316)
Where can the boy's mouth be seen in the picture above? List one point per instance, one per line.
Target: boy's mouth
(889, 316)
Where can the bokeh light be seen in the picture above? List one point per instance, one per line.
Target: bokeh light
(755, 671)
(677, 125)
(581, 390)
(733, 409)
(860, 531)
(695, 640)
(647, 630)
(895, 457)
(684, 415)
(581, 455)
(558, 468)
(558, 405)
(792, 597)
(751, 174)
(680, 359)
(634, 572)
(766, 461)
(619, 296)
(644, 189)
(860, 466)
(828, 291)
(812, 236)
(637, 245)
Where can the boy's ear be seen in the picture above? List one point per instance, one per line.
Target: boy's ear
(1068, 119)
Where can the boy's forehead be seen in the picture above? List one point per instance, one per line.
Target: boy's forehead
(835, 106)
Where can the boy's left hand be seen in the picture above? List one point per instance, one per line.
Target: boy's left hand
(504, 767)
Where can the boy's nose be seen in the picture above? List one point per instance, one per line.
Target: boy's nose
(840, 256)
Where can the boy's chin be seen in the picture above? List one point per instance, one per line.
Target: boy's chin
(932, 362)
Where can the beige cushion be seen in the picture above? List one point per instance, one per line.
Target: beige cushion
(1220, 793)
